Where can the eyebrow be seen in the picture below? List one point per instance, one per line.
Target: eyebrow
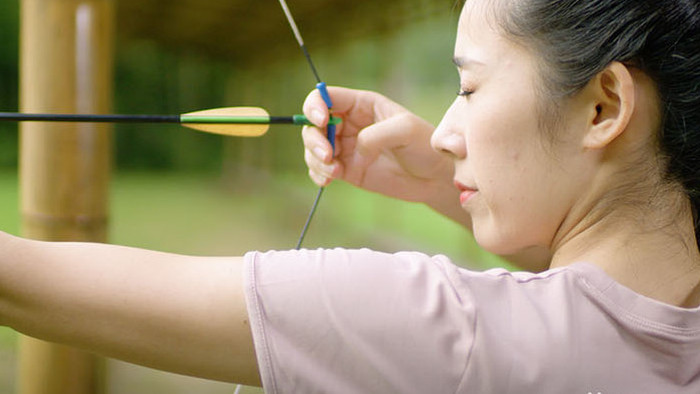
(465, 62)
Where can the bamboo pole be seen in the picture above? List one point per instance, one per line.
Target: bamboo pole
(65, 66)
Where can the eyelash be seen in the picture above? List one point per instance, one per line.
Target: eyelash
(464, 93)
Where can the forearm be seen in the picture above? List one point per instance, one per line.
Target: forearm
(177, 313)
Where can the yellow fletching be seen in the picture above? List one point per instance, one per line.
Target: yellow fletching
(230, 129)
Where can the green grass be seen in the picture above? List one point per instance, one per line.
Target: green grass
(9, 205)
(8, 338)
(9, 220)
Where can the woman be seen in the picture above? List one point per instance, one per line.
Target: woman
(574, 135)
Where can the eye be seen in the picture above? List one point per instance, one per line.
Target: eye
(464, 93)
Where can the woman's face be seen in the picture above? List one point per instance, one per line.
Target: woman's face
(518, 183)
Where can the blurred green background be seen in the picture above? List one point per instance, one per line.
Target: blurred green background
(185, 192)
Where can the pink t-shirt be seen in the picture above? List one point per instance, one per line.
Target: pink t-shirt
(358, 321)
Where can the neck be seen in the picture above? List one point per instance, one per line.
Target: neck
(653, 252)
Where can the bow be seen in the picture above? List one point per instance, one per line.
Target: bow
(330, 128)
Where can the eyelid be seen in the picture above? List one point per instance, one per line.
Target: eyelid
(465, 92)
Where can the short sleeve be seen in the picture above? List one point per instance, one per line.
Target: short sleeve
(358, 321)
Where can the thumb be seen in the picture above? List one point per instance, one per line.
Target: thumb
(390, 134)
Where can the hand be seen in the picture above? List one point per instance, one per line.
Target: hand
(380, 146)
(384, 148)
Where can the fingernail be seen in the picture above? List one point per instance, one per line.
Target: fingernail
(317, 117)
(320, 153)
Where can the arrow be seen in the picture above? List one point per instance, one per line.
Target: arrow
(229, 121)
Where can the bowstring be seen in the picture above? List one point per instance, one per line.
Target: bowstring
(309, 217)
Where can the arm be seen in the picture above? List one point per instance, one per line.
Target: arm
(176, 313)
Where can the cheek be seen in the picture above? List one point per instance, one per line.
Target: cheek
(513, 174)
(503, 125)
(498, 154)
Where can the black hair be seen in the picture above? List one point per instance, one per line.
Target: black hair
(577, 39)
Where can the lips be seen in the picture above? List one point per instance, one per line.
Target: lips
(465, 192)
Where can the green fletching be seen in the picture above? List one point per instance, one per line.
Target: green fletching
(304, 121)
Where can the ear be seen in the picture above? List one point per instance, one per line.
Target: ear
(612, 104)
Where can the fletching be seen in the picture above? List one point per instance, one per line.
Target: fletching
(219, 121)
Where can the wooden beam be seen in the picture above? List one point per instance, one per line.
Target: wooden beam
(65, 66)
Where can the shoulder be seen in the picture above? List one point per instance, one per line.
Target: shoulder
(558, 279)
(378, 270)
(354, 274)
(556, 297)
(348, 263)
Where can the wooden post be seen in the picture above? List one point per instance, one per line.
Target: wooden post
(65, 66)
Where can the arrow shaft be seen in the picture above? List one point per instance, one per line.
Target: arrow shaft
(21, 117)
(200, 119)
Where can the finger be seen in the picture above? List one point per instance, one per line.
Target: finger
(346, 101)
(326, 170)
(392, 133)
(316, 142)
(315, 109)
(318, 179)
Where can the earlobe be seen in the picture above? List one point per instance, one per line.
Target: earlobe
(613, 101)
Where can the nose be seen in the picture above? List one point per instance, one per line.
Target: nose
(448, 137)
